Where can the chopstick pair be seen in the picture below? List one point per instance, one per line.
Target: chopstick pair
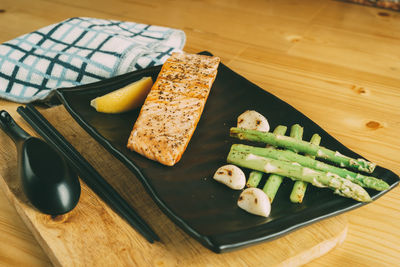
(86, 171)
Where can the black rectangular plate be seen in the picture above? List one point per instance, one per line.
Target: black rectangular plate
(186, 192)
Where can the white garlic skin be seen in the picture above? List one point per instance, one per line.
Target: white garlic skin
(255, 201)
(252, 120)
(232, 176)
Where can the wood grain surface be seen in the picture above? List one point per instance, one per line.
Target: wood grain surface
(337, 63)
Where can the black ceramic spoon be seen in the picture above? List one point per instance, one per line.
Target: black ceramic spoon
(47, 180)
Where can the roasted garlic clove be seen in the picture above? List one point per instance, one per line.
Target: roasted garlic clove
(252, 120)
(231, 175)
(255, 201)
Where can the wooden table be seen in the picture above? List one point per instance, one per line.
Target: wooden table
(337, 63)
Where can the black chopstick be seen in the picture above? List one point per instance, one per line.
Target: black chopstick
(90, 171)
(87, 173)
(87, 170)
(91, 177)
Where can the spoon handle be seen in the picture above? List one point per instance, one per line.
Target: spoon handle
(11, 128)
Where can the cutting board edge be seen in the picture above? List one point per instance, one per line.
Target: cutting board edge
(317, 251)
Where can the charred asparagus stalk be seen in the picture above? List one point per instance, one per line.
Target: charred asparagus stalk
(255, 176)
(254, 179)
(272, 185)
(274, 180)
(304, 147)
(340, 185)
(285, 155)
(300, 187)
(296, 132)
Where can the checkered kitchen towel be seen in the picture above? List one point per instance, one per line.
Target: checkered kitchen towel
(79, 51)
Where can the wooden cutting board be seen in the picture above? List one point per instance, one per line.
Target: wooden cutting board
(92, 234)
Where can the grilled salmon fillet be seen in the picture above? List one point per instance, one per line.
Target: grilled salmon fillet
(173, 107)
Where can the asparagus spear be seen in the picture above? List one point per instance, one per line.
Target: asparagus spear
(274, 181)
(285, 155)
(296, 132)
(300, 187)
(255, 176)
(340, 185)
(272, 185)
(254, 179)
(302, 146)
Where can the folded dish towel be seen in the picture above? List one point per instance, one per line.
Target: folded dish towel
(80, 51)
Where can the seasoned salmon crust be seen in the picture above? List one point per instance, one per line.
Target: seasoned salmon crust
(173, 107)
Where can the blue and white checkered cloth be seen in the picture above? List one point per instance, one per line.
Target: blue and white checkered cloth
(80, 51)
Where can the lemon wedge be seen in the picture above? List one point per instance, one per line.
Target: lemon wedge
(125, 98)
